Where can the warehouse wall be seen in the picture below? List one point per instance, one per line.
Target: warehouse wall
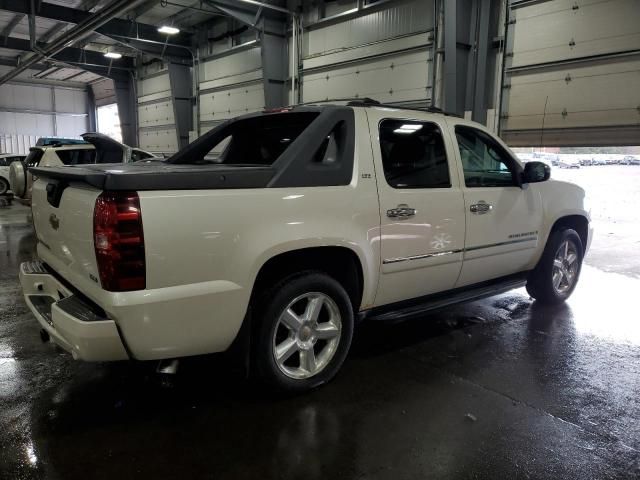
(156, 121)
(30, 111)
(382, 53)
(573, 73)
(230, 84)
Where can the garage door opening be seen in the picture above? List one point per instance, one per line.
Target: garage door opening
(109, 121)
(610, 177)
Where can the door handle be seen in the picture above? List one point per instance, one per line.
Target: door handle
(401, 211)
(481, 208)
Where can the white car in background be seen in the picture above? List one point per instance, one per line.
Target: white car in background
(60, 152)
(6, 159)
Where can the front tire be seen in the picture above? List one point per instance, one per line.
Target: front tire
(304, 331)
(557, 273)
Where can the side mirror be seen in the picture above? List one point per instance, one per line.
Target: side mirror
(535, 172)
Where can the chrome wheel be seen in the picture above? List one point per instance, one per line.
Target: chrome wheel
(307, 335)
(565, 267)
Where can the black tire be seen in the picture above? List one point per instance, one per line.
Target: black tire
(266, 315)
(540, 283)
(4, 186)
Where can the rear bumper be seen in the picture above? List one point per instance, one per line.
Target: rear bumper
(71, 322)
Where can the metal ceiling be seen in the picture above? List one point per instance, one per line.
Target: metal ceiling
(132, 34)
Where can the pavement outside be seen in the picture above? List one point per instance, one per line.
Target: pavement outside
(500, 388)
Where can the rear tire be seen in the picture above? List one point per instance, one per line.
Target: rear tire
(303, 333)
(557, 273)
(4, 186)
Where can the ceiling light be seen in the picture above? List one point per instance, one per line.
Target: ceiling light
(409, 126)
(168, 30)
(114, 55)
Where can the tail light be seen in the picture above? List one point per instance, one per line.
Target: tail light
(119, 241)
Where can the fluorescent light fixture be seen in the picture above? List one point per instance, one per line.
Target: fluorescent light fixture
(168, 30)
(408, 126)
(404, 131)
(114, 55)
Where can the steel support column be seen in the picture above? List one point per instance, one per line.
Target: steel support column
(127, 104)
(479, 113)
(450, 56)
(274, 52)
(181, 95)
(91, 110)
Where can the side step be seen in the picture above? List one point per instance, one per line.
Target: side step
(420, 306)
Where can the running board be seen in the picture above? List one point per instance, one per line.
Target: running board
(419, 306)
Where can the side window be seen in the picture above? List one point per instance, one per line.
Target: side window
(484, 161)
(413, 154)
(3, 162)
(77, 157)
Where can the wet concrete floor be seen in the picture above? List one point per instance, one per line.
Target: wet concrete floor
(500, 388)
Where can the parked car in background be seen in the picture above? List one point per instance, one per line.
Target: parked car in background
(631, 160)
(311, 217)
(6, 159)
(568, 162)
(58, 152)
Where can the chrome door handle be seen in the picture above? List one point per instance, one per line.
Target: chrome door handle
(401, 211)
(481, 208)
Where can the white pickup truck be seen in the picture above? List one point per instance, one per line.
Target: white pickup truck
(281, 228)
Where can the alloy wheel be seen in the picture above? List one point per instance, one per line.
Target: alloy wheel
(565, 267)
(307, 335)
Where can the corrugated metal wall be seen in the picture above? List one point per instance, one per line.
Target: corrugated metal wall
(574, 73)
(384, 54)
(31, 111)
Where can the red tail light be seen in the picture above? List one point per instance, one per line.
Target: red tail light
(119, 241)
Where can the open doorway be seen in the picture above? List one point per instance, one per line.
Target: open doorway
(109, 122)
(610, 177)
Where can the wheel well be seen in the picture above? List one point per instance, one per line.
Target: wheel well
(577, 223)
(340, 263)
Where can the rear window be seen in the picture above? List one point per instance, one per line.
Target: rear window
(34, 157)
(77, 157)
(257, 140)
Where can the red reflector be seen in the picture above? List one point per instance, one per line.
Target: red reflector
(119, 241)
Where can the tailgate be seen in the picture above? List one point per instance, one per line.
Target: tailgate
(64, 230)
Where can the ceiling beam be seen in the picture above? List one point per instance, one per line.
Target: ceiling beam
(74, 55)
(115, 26)
(11, 25)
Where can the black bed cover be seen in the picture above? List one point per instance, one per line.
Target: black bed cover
(160, 176)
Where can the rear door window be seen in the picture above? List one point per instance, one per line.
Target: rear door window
(413, 154)
(77, 157)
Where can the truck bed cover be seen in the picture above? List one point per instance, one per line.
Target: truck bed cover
(161, 176)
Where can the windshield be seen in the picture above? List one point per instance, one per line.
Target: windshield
(258, 140)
